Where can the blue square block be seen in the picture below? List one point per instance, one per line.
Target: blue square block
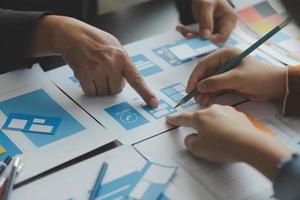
(126, 116)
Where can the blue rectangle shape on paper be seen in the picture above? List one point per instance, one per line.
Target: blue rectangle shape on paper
(176, 92)
(50, 123)
(75, 80)
(39, 103)
(126, 116)
(168, 56)
(123, 186)
(164, 109)
(10, 147)
(144, 65)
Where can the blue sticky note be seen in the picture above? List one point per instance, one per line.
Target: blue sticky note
(126, 116)
(164, 109)
(144, 65)
(32, 123)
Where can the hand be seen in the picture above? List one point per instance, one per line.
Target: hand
(251, 79)
(225, 135)
(96, 57)
(216, 20)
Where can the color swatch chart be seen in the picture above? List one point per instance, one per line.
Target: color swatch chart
(146, 184)
(261, 18)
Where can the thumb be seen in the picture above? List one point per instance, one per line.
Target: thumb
(217, 83)
(205, 18)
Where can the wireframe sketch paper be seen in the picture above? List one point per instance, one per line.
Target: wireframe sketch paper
(126, 115)
(134, 177)
(198, 177)
(41, 124)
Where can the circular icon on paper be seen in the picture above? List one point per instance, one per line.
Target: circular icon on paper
(129, 117)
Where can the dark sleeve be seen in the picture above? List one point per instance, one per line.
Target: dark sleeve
(184, 8)
(16, 37)
(287, 180)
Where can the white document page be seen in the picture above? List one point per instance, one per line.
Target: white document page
(287, 129)
(75, 182)
(235, 182)
(125, 115)
(41, 124)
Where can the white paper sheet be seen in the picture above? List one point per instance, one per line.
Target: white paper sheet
(234, 182)
(134, 124)
(287, 129)
(30, 92)
(75, 182)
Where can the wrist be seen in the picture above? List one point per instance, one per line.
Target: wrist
(265, 153)
(280, 83)
(53, 35)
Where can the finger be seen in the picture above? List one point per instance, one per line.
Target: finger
(184, 119)
(86, 82)
(88, 87)
(209, 65)
(185, 31)
(115, 83)
(205, 18)
(137, 83)
(216, 83)
(224, 28)
(100, 81)
(191, 142)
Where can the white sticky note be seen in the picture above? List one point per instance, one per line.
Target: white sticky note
(41, 121)
(139, 190)
(18, 123)
(206, 49)
(41, 128)
(161, 113)
(159, 174)
(183, 52)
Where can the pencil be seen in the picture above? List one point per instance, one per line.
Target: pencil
(235, 61)
(98, 182)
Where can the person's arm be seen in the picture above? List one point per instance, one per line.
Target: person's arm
(224, 135)
(16, 38)
(292, 98)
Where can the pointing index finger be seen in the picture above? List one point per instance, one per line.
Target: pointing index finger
(138, 84)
